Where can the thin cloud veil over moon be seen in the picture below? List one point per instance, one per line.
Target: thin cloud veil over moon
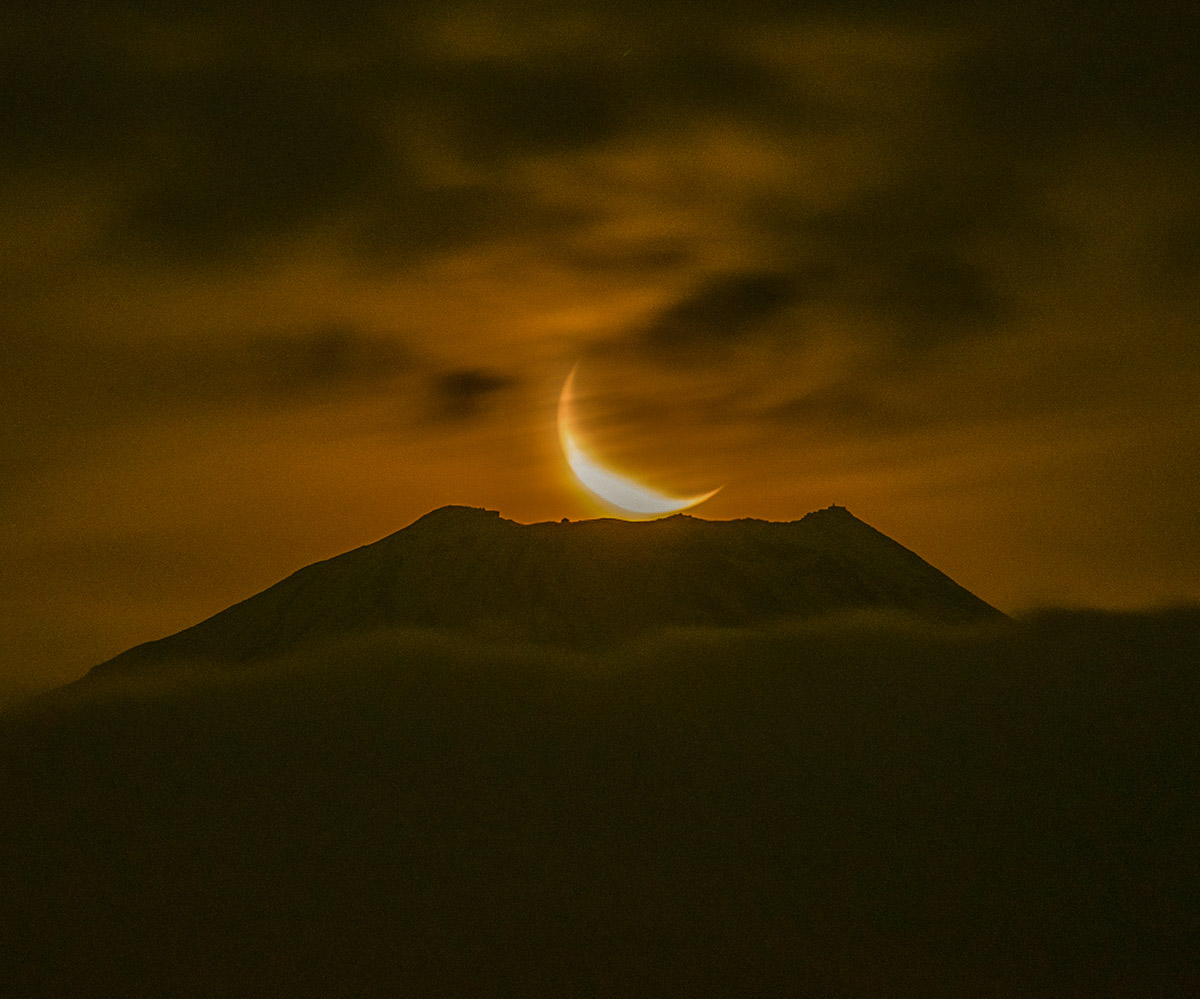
(606, 485)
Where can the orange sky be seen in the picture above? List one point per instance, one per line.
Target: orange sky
(279, 279)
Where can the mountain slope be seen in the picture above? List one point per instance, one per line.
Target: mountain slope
(468, 570)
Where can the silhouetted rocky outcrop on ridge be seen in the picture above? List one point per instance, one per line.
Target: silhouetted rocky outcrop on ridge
(469, 571)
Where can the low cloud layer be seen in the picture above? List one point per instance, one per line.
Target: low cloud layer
(707, 807)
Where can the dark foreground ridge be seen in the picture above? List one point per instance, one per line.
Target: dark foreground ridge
(468, 571)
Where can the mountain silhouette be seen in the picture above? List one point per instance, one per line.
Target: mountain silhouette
(468, 571)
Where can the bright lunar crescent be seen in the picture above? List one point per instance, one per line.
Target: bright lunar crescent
(615, 489)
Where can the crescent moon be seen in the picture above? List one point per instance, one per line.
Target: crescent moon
(613, 488)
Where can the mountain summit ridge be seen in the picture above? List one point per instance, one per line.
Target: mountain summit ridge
(467, 570)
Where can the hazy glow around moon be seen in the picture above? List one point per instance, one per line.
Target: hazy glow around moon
(611, 487)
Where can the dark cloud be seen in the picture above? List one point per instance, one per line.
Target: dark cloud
(56, 111)
(901, 253)
(906, 250)
(69, 400)
(292, 367)
(408, 221)
(465, 392)
(240, 158)
(1024, 89)
(1052, 72)
(936, 298)
(209, 158)
(326, 358)
(709, 78)
(838, 406)
(99, 384)
(613, 257)
(1177, 253)
(944, 199)
(506, 109)
(725, 309)
(234, 127)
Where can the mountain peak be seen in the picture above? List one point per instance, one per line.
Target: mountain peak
(467, 570)
(833, 510)
(454, 514)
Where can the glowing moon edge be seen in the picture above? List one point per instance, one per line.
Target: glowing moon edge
(611, 487)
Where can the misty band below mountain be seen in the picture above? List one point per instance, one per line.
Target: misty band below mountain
(868, 809)
(873, 803)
